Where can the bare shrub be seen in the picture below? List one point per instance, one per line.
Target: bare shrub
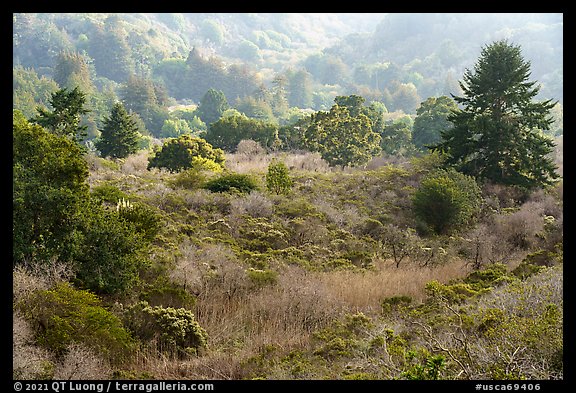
(33, 276)
(81, 363)
(157, 194)
(550, 204)
(385, 160)
(208, 268)
(137, 163)
(243, 163)
(204, 200)
(528, 298)
(348, 216)
(249, 148)
(500, 196)
(521, 227)
(28, 360)
(211, 366)
(254, 204)
(258, 163)
(284, 314)
(307, 161)
(482, 245)
(528, 338)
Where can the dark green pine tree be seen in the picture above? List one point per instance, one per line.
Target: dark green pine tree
(212, 105)
(67, 115)
(497, 135)
(120, 134)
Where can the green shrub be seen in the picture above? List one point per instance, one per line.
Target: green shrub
(278, 180)
(107, 193)
(447, 200)
(343, 336)
(190, 179)
(525, 270)
(112, 249)
(175, 329)
(164, 292)
(145, 220)
(392, 303)
(261, 278)
(186, 152)
(232, 182)
(65, 315)
(429, 369)
(489, 276)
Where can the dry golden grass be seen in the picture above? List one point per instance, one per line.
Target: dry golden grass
(365, 291)
(286, 314)
(258, 163)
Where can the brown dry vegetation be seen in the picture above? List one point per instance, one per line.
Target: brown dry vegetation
(271, 272)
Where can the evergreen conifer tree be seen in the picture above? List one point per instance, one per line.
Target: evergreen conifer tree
(120, 134)
(497, 135)
(67, 115)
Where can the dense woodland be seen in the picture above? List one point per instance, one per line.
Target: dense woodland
(288, 196)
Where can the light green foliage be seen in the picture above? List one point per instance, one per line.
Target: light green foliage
(72, 70)
(30, 90)
(66, 315)
(446, 200)
(175, 329)
(108, 193)
(393, 303)
(227, 132)
(145, 220)
(173, 128)
(187, 152)
(189, 178)
(396, 138)
(342, 139)
(428, 370)
(521, 328)
(278, 179)
(110, 50)
(144, 96)
(256, 108)
(342, 338)
(262, 277)
(212, 106)
(212, 31)
(476, 283)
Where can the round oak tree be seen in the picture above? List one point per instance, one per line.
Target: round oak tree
(342, 139)
(186, 152)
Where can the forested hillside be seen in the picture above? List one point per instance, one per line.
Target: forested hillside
(288, 196)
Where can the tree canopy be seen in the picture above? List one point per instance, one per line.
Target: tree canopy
(65, 119)
(497, 135)
(342, 139)
(431, 119)
(186, 152)
(120, 134)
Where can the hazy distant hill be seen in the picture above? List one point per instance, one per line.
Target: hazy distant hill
(344, 53)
